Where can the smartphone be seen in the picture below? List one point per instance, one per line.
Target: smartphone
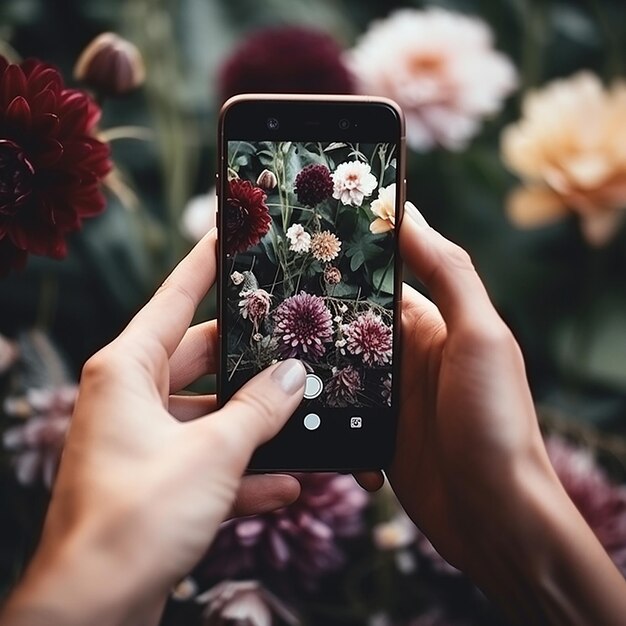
(310, 196)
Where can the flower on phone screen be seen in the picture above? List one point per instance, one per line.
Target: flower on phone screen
(314, 184)
(325, 246)
(353, 181)
(299, 239)
(342, 388)
(255, 305)
(384, 207)
(247, 215)
(369, 338)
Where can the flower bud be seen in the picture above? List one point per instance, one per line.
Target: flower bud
(267, 180)
(110, 65)
(332, 275)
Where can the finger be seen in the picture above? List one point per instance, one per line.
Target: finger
(370, 481)
(187, 408)
(254, 414)
(168, 314)
(447, 272)
(264, 493)
(195, 356)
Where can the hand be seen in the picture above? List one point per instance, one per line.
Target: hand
(140, 494)
(470, 466)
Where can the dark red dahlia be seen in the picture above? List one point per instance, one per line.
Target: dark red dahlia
(313, 185)
(51, 165)
(247, 217)
(286, 59)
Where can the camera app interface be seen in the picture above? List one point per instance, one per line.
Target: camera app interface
(309, 234)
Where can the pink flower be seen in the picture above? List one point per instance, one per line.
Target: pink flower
(255, 305)
(353, 181)
(343, 387)
(440, 67)
(36, 445)
(369, 338)
(300, 542)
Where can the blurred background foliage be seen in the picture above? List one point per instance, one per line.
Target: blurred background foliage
(565, 300)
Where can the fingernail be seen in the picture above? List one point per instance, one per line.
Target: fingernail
(289, 375)
(414, 214)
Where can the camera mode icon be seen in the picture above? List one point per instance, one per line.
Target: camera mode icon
(356, 422)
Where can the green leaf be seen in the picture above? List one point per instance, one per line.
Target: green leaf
(358, 258)
(382, 280)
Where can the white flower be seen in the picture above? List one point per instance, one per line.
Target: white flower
(237, 278)
(384, 207)
(398, 532)
(353, 181)
(299, 239)
(440, 67)
(199, 216)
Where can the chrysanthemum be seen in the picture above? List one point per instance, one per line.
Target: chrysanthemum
(332, 275)
(297, 544)
(255, 305)
(342, 389)
(303, 324)
(353, 181)
(37, 443)
(325, 246)
(51, 165)
(440, 67)
(384, 208)
(247, 217)
(286, 59)
(369, 338)
(313, 184)
(299, 239)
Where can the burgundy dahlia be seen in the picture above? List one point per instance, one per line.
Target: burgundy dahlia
(343, 387)
(51, 165)
(286, 59)
(298, 543)
(303, 324)
(247, 215)
(369, 338)
(313, 185)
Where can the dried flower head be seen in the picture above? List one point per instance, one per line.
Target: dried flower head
(313, 184)
(440, 67)
(299, 239)
(110, 65)
(236, 278)
(247, 217)
(384, 208)
(255, 305)
(342, 389)
(353, 181)
(303, 324)
(325, 246)
(267, 180)
(369, 338)
(568, 148)
(332, 275)
(51, 165)
(285, 59)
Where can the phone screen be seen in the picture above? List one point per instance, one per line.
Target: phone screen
(309, 271)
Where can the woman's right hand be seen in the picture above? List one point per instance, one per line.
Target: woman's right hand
(470, 467)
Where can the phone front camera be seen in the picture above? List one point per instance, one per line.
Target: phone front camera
(272, 123)
(344, 124)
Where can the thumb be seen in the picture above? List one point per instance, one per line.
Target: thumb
(256, 412)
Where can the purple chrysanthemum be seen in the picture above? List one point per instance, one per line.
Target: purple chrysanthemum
(313, 185)
(369, 338)
(299, 542)
(303, 324)
(286, 59)
(342, 388)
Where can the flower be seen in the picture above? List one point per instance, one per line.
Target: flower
(299, 239)
(387, 387)
(313, 185)
(285, 59)
(370, 338)
(440, 67)
(568, 148)
(332, 275)
(303, 324)
(37, 443)
(267, 180)
(325, 246)
(50, 162)
(199, 216)
(255, 305)
(353, 181)
(110, 65)
(247, 217)
(600, 502)
(236, 278)
(298, 543)
(343, 387)
(384, 207)
(243, 603)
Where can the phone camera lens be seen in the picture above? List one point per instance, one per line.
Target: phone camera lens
(344, 124)
(272, 123)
